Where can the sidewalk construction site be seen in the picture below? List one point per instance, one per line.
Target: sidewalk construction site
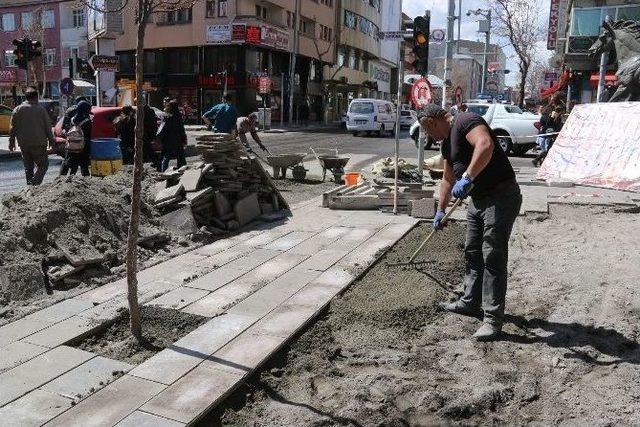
(275, 302)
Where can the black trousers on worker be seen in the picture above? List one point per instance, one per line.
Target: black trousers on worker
(489, 223)
(35, 157)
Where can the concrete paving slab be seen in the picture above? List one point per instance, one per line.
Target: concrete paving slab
(285, 320)
(179, 298)
(275, 293)
(105, 292)
(215, 303)
(289, 241)
(324, 259)
(110, 405)
(245, 352)
(321, 240)
(185, 354)
(336, 277)
(62, 310)
(18, 352)
(266, 237)
(193, 394)
(189, 258)
(225, 257)
(217, 247)
(231, 271)
(19, 329)
(314, 295)
(30, 375)
(144, 419)
(87, 378)
(270, 270)
(33, 409)
(62, 332)
(107, 310)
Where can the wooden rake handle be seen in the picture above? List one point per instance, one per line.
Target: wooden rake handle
(444, 220)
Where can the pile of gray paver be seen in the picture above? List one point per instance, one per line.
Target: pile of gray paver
(223, 192)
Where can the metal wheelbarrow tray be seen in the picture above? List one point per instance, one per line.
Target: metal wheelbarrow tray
(282, 162)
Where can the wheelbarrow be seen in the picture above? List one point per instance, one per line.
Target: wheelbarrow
(332, 162)
(281, 162)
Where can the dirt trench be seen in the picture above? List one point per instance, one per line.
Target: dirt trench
(384, 355)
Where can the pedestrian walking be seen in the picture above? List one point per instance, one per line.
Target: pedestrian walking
(550, 123)
(172, 137)
(31, 128)
(222, 117)
(476, 166)
(78, 141)
(149, 133)
(125, 125)
(248, 125)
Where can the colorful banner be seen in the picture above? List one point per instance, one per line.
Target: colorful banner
(598, 145)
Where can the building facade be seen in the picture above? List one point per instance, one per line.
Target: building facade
(579, 25)
(39, 21)
(194, 54)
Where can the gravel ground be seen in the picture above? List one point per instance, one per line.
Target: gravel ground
(383, 355)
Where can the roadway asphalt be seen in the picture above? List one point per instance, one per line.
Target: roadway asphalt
(12, 175)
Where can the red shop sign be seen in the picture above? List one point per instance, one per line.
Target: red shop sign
(253, 35)
(215, 81)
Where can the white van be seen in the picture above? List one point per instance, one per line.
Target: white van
(371, 115)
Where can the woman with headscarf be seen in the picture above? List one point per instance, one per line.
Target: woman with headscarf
(82, 119)
(172, 137)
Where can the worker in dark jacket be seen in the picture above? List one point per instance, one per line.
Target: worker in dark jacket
(125, 128)
(149, 135)
(73, 161)
(172, 137)
(550, 123)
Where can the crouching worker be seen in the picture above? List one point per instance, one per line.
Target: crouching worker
(476, 166)
(248, 125)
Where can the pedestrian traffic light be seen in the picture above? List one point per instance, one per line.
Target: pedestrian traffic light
(19, 53)
(421, 32)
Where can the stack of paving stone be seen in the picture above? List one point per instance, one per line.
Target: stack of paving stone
(225, 191)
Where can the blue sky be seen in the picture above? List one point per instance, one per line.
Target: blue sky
(470, 26)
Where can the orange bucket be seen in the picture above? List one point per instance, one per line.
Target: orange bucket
(351, 178)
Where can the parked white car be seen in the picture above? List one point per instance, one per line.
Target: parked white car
(371, 115)
(407, 118)
(516, 129)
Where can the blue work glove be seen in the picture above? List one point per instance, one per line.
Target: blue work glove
(437, 221)
(462, 187)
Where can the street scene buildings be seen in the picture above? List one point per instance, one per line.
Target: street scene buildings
(319, 213)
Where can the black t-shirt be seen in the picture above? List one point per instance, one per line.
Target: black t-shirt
(458, 152)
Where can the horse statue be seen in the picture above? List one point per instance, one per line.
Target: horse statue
(622, 39)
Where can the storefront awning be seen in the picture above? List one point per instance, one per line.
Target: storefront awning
(560, 85)
(610, 79)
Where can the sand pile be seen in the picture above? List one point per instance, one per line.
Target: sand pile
(71, 228)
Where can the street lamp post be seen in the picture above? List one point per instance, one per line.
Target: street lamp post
(486, 13)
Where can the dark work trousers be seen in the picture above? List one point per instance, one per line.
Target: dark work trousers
(35, 156)
(178, 154)
(489, 223)
(73, 161)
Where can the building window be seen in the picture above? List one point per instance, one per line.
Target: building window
(327, 2)
(325, 33)
(352, 59)
(180, 16)
(222, 8)
(9, 58)
(261, 11)
(47, 19)
(8, 22)
(182, 61)
(49, 57)
(349, 19)
(291, 19)
(27, 20)
(588, 21)
(78, 18)
(211, 9)
(631, 13)
(341, 56)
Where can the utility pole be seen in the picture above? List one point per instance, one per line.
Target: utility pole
(398, 111)
(451, 17)
(459, 25)
(292, 62)
(487, 43)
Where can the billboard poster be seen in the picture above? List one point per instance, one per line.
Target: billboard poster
(218, 34)
(554, 20)
(238, 33)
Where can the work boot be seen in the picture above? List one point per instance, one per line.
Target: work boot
(487, 332)
(458, 307)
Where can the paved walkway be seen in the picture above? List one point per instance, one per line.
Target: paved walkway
(262, 287)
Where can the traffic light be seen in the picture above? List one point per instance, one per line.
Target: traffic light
(35, 49)
(19, 52)
(83, 69)
(421, 33)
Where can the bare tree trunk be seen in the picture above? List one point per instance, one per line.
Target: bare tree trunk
(134, 220)
(523, 79)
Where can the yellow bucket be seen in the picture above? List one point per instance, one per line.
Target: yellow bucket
(105, 167)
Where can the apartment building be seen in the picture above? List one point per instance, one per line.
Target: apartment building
(579, 22)
(363, 68)
(38, 20)
(194, 54)
(73, 34)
